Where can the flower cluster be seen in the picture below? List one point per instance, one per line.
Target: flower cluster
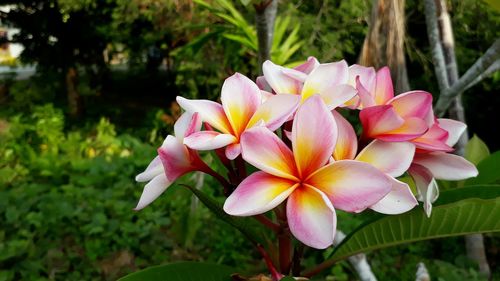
(288, 125)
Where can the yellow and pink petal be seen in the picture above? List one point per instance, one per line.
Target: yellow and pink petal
(384, 90)
(392, 158)
(210, 112)
(347, 142)
(257, 194)
(240, 98)
(324, 78)
(314, 134)
(351, 185)
(311, 217)
(279, 81)
(263, 149)
(275, 111)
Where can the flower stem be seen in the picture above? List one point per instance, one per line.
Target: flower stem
(275, 274)
(222, 180)
(268, 223)
(284, 241)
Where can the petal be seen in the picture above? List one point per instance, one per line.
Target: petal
(279, 81)
(233, 151)
(433, 140)
(426, 186)
(154, 169)
(265, 95)
(347, 142)
(399, 200)
(257, 194)
(210, 112)
(208, 140)
(153, 190)
(380, 119)
(351, 185)
(176, 158)
(262, 84)
(324, 77)
(295, 74)
(366, 76)
(263, 149)
(412, 128)
(338, 95)
(311, 217)
(308, 66)
(187, 124)
(445, 166)
(364, 95)
(412, 104)
(240, 98)
(384, 90)
(314, 134)
(392, 158)
(275, 111)
(454, 128)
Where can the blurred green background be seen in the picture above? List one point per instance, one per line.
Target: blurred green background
(90, 97)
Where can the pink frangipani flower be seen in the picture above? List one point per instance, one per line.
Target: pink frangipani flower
(329, 80)
(174, 160)
(391, 158)
(387, 117)
(303, 175)
(241, 109)
(433, 162)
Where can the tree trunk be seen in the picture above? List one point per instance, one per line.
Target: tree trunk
(264, 18)
(474, 242)
(75, 104)
(384, 43)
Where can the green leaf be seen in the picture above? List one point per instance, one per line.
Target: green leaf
(459, 218)
(240, 224)
(476, 150)
(287, 278)
(476, 191)
(488, 171)
(182, 271)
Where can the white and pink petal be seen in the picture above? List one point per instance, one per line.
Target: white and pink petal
(399, 200)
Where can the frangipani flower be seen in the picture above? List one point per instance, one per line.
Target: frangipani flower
(313, 187)
(383, 116)
(391, 158)
(329, 80)
(404, 117)
(306, 68)
(174, 160)
(241, 110)
(432, 162)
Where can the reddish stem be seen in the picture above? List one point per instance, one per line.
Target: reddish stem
(222, 180)
(268, 223)
(269, 263)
